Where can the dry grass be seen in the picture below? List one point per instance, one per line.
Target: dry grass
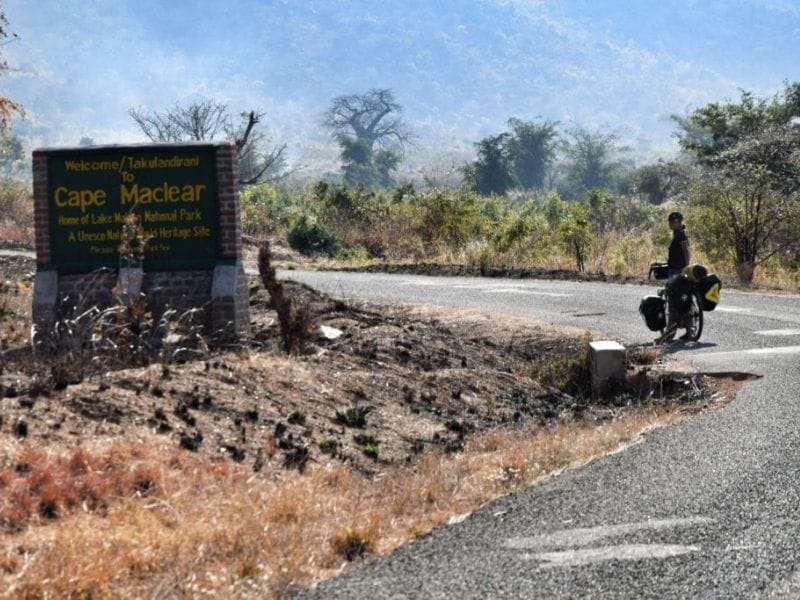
(16, 213)
(136, 520)
(15, 313)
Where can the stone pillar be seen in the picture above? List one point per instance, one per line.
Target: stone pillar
(606, 364)
(230, 311)
(45, 285)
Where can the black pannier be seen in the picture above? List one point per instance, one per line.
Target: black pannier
(653, 309)
(709, 288)
(658, 270)
(679, 290)
(695, 272)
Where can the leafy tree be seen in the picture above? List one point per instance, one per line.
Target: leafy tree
(622, 214)
(531, 149)
(12, 156)
(750, 208)
(751, 201)
(718, 126)
(208, 120)
(772, 156)
(656, 182)
(575, 234)
(591, 164)
(7, 106)
(492, 172)
(357, 162)
(385, 163)
(745, 223)
(371, 135)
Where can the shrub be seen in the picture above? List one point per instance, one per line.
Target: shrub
(353, 543)
(356, 253)
(267, 209)
(566, 370)
(355, 416)
(309, 237)
(16, 213)
(452, 219)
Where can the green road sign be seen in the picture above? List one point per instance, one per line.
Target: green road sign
(167, 193)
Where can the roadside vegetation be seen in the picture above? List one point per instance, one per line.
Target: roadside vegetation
(535, 195)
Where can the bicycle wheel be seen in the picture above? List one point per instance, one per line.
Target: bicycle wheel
(696, 317)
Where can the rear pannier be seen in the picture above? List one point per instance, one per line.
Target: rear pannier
(653, 310)
(658, 270)
(709, 288)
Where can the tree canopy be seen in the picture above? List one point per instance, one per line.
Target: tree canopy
(749, 203)
(207, 120)
(491, 172)
(371, 134)
(531, 149)
(521, 158)
(592, 160)
(718, 126)
(371, 118)
(7, 106)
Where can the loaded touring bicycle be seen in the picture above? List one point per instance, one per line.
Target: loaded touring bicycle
(681, 302)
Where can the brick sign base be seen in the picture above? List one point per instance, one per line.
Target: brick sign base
(186, 201)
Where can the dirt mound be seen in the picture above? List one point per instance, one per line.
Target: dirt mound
(376, 385)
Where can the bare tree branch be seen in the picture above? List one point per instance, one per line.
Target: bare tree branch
(7, 106)
(209, 120)
(365, 117)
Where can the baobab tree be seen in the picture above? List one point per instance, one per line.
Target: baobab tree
(371, 134)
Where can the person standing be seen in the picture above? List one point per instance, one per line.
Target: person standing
(679, 253)
(678, 259)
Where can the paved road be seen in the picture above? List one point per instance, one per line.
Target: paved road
(705, 509)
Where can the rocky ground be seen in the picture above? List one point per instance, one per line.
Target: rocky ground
(374, 386)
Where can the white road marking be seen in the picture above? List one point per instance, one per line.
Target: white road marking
(578, 555)
(507, 290)
(573, 558)
(590, 535)
(486, 289)
(420, 282)
(733, 309)
(778, 332)
(753, 352)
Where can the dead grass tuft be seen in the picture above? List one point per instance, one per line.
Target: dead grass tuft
(354, 542)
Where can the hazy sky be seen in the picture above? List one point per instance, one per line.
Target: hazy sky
(460, 68)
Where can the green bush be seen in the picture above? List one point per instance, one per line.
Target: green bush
(452, 219)
(267, 209)
(308, 237)
(357, 253)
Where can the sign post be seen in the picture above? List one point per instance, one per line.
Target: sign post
(168, 211)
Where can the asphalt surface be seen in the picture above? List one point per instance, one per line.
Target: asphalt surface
(706, 509)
